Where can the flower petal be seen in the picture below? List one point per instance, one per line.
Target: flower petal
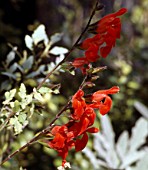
(81, 143)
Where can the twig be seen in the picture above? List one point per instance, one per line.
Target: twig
(8, 118)
(44, 131)
(49, 127)
(72, 48)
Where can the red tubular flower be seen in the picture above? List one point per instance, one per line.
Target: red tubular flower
(113, 90)
(97, 39)
(59, 133)
(81, 143)
(78, 105)
(91, 53)
(110, 20)
(80, 62)
(108, 30)
(109, 27)
(62, 141)
(74, 133)
(99, 96)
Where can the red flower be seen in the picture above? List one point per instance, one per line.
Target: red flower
(91, 53)
(97, 39)
(74, 133)
(111, 21)
(99, 96)
(81, 128)
(108, 30)
(78, 104)
(62, 141)
(80, 62)
(109, 27)
(67, 136)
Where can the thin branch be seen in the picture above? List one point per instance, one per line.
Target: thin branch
(2, 126)
(72, 48)
(49, 127)
(44, 131)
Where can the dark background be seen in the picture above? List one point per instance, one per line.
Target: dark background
(20, 17)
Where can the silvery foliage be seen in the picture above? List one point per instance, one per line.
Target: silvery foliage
(15, 112)
(15, 68)
(40, 35)
(130, 152)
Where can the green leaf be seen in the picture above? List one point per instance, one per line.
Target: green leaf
(37, 95)
(22, 91)
(10, 75)
(16, 106)
(44, 90)
(31, 110)
(25, 101)
(28, 63)
(35, 73)
(5, 85)
(16, 125)
(15, 66)
(9, 96)
(22, 118)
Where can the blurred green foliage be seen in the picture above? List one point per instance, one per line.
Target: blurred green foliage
(127, 68)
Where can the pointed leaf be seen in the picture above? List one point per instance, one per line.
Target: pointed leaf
(10, 75)
(14, 67)
(44, 90)
(58, 50)
(28, 42)
(38, 95)
(40, 35)
(22, 91)
(9, 96)
(56, 37)
(10, 57)
(28, 63)
(112, 158)
(142, 109)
